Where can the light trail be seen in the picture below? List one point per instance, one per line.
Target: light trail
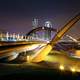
(12, 53)
(75, 40)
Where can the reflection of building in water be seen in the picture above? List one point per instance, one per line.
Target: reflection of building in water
(48, 32)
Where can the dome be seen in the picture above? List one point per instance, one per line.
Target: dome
(48, 24)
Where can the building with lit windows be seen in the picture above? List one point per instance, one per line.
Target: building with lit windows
(48, 32)
(34, 25)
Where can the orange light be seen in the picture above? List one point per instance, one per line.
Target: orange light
(77, 53)
(28, 57)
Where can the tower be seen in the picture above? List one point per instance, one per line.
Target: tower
(47, 32)
(34, 25)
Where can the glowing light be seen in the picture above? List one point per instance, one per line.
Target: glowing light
(28, 57)
(73, 69)
(13, 56)
(61, 67)
(72, 38)
(34, 46)
(47, 41)
(77, 52)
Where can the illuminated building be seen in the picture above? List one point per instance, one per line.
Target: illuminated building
(3, 35)
(48, 32)
(34, 25)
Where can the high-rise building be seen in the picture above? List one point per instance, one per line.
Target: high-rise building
(34, 25)
(47, 32)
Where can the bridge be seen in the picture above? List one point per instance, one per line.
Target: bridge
(43, 48)
(39, 56)
(19, 44)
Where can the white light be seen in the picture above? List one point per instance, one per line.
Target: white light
(47, 41)
(61, 67)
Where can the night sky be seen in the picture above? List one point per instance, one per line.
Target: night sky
(16, 15)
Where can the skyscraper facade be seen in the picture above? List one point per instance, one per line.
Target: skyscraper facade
(47, 32)
(34, 25)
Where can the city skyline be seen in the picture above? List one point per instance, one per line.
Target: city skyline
(16, 15)
(39, 38)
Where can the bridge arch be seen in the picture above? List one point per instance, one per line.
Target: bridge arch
(41, 33)
(41, 28)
